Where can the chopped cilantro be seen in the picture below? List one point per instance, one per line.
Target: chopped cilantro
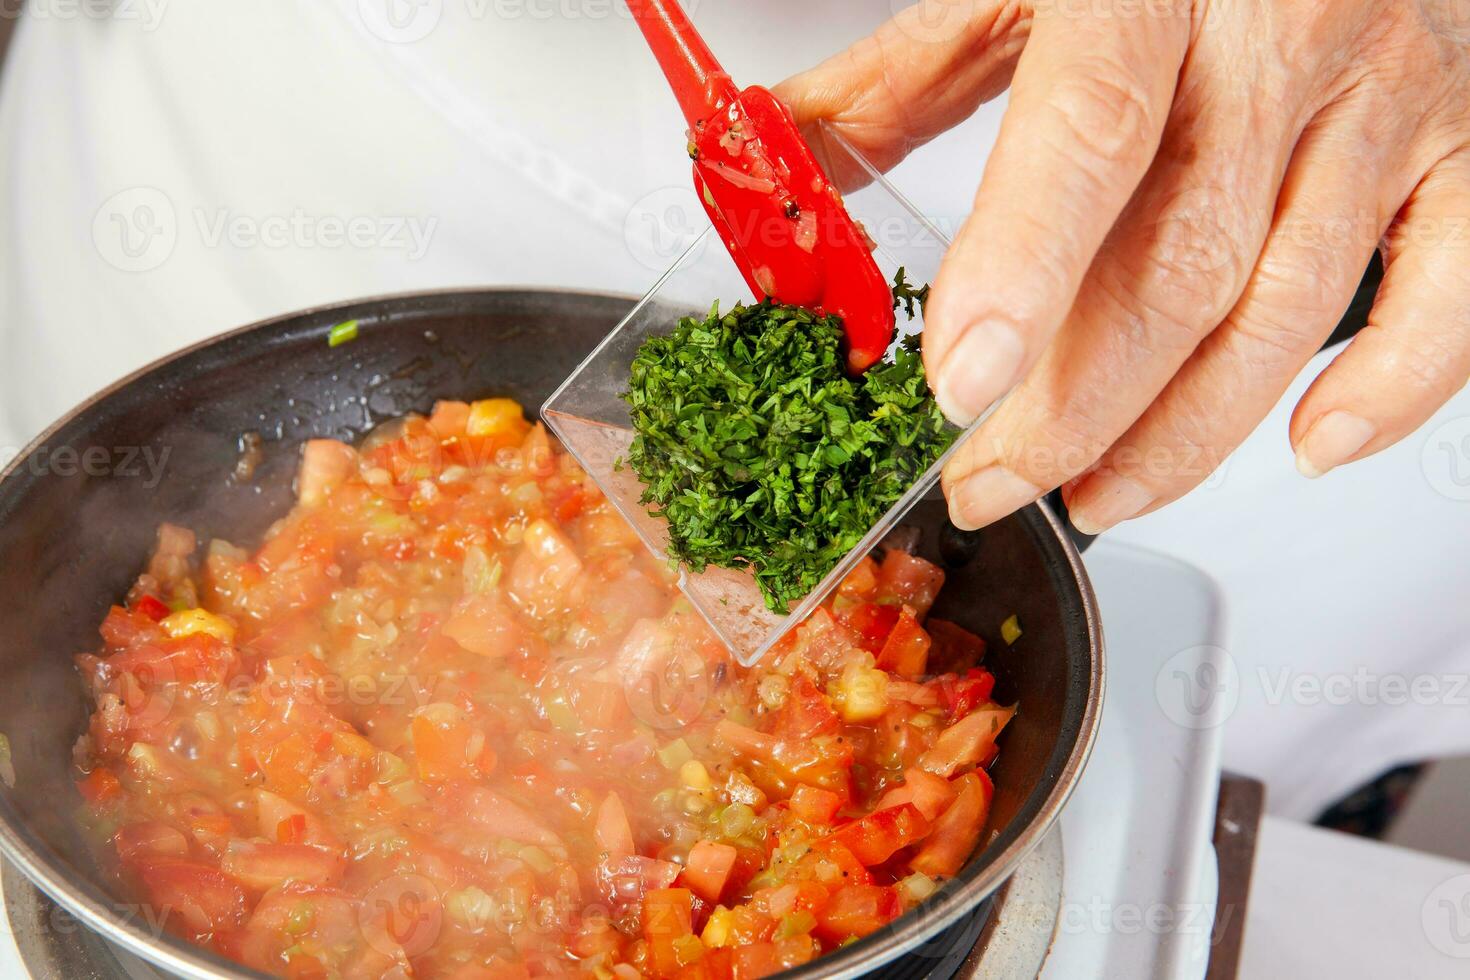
(760, 451)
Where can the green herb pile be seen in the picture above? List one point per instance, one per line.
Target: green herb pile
(760, 451)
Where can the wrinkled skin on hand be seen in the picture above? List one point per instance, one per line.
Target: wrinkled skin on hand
(1177, 211)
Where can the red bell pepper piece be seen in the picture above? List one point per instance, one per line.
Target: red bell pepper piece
(775, 209)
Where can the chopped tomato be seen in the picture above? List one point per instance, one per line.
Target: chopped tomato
(152, 607)
(450, 699)
(857, 910)
(668, 916)
(878, 836)
(204, 899)
(814, 804)
(708, 868)
(149, 839)
(871, 622)
(263, 866)
(967, 742)
(614, 834)
(957, 830)
(906, 651)
(99, 786)
(807, 712)
(965, 694)
(930, 793)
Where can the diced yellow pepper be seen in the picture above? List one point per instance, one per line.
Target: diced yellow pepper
(861, 693)
(496, 417)
(717, 929)
(191, 621)
(694, 775)
(1010, 630)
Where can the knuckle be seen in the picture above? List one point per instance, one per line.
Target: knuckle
(1106, 116)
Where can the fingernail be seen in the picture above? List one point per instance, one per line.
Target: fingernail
(981, 367)
(1331, 441)
(988, 495)
(1104, 501)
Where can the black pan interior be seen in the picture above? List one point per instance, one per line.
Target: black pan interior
(71, 541)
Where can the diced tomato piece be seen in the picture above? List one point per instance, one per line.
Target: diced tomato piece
(967, 742)
(930, 793)
(755, 960)
(878, 836)
(485, 624)
(152, 607)
(292, 830)
(814, 804)
(449, 419)
(957, 830)
(861, 582)
(150, 839)
(955, 649)
(99, 786)
(857, 910)
(544, 567)
(906, 651)
(715, 964)
(205, 899)
(263, 866)
(708, 868)
(964, 694)
(909, 580)
(870, 622)
(668, 914)
(599, 704)
(540, 460)
(325, 465)
(807, 712)
(627, 879)
(125, 628)
(447, 746)
(613, 831)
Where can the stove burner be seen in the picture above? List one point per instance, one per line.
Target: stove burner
(1006, 937)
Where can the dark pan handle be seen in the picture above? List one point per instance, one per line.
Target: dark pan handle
(1352, 321)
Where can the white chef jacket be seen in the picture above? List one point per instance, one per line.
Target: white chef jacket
(171, 170)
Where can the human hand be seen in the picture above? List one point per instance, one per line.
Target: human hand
(1176, 213)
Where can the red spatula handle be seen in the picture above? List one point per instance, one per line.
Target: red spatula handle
(698, 81)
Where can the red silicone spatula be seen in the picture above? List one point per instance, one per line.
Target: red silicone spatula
(773, 206)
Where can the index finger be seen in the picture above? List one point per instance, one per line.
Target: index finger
(1088, 105)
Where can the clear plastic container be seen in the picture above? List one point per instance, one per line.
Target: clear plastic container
(592, 421)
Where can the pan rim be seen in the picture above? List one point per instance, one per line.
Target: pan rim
(83, 899)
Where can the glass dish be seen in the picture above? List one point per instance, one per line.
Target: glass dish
(590, 418)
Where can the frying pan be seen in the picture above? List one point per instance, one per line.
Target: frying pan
(75, 531)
